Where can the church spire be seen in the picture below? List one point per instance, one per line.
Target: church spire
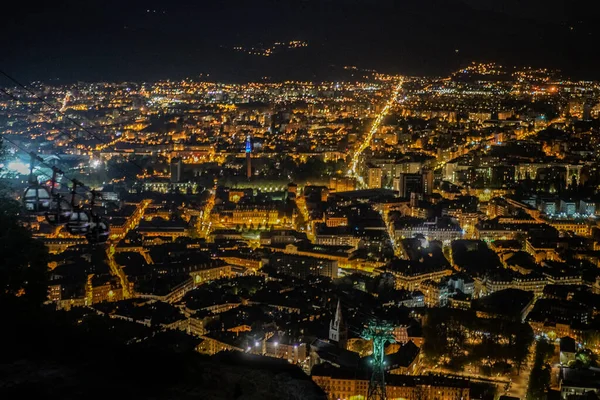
(337, 327)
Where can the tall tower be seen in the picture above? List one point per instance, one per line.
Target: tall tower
(427, 181)
(248, 156)
(338, 331)
(176, 167)
(380, 334)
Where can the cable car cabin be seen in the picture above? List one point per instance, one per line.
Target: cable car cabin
(79, 222)
(59, 212)
(99, 232)
(36, 199)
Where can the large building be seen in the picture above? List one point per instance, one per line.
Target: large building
(253, 215)
(412, 279)
(342, 184)
(431, 230)
(336, 236)
(280, 346)
(176, 170)
(375, 178)
(346, 384)
(301, 266)
(409, 183)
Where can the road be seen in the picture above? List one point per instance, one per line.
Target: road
(117, 271)
(501, 380)
(134, 223)
(89, 293)
(301, 204)
(518, 388)
(204, 223)
(390, 231)
(115, 268)
(353, 169)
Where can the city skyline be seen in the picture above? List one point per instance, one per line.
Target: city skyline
(312, 200)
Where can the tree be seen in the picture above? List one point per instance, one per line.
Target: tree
(193, 233)
(300, 220)
(591, 338)
(539, 379)
(23, 259)
(520, 346)
(584, 359)
(313, 168)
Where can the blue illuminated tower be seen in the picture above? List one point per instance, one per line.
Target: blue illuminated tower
(248, 156)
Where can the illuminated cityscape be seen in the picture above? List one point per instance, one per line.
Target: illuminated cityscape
(377, 235)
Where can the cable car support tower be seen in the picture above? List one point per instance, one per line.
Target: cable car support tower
(380, 333)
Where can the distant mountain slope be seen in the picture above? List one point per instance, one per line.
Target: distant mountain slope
(114, 40)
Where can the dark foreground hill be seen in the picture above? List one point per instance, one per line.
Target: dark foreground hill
(73, 355)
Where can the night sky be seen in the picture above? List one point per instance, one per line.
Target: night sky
(132, 40)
